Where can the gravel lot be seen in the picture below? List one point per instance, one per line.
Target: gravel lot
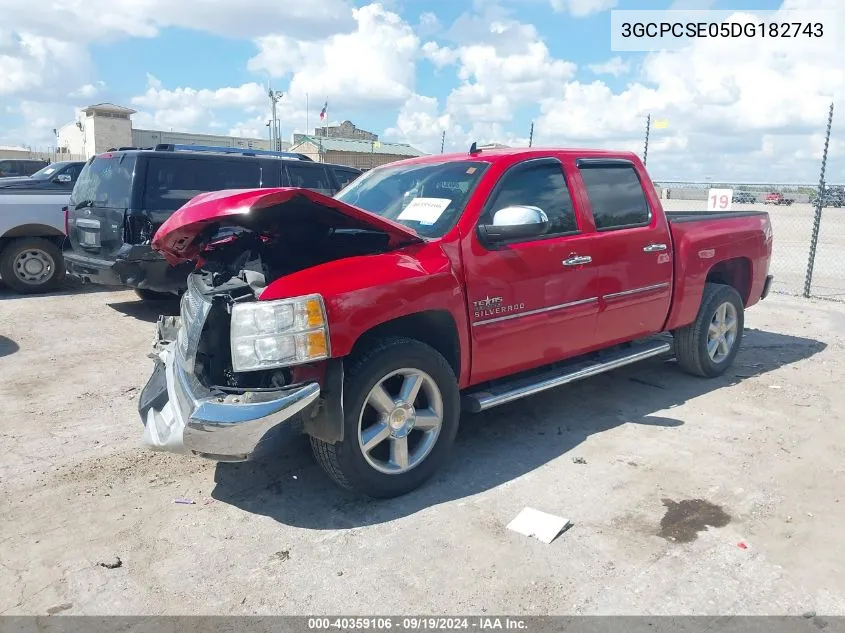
(759, 452)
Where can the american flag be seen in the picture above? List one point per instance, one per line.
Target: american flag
(323, 111)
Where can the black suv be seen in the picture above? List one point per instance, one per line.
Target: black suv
(12, 167)
(123, 196)
(59, 176)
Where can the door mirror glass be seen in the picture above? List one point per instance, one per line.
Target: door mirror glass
(515, 222)
(62, 178)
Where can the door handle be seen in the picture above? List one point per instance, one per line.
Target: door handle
(654, 248)
(577, 260)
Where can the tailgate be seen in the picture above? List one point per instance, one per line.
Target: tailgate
(98, 204)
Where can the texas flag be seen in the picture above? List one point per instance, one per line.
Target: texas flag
(323, 111)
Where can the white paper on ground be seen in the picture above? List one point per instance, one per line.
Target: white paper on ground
(544, 526)
(424, 210)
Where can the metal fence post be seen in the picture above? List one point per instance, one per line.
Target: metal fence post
(817, 219)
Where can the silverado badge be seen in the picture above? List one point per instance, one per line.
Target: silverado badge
(492, 306)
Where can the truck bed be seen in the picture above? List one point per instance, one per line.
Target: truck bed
(676, 217)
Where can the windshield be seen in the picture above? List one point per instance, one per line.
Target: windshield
(45, 172)
(105, 181)
(427, 198)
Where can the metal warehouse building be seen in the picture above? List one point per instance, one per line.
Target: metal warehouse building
(103, 126)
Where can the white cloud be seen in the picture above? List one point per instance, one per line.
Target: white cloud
(428, 25)
(582, 8)
(38, 119)
(613, 66)
(189, 109)
(372, 65)
(736, 108)
(85, 20)
(34, 63)
(88, 91)
(439, 55)
(509, 67)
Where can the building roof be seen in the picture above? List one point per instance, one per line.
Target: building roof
(360, 146)
(108, 107)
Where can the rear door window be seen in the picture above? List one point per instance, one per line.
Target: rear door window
(29, 167)
(344, 176)
(616, 196)
(171, 182)
(313, 176)
(9, 168)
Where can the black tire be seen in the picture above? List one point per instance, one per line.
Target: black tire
(45, 249)
(344, 461)
(691, 341)
(152, 295)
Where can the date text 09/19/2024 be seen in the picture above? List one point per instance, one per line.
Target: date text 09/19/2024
(383, 623)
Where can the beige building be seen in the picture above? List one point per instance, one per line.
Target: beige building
(104, 126)
(352, 152)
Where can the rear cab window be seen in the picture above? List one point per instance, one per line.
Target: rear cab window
(105, 181)
(615, 194)
(171, 182)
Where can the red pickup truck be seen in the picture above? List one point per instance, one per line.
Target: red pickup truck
(371, 319)
(778, 199)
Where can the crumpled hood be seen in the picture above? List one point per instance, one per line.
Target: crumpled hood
(187, 233)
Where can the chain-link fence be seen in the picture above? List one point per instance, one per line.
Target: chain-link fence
(792, 209)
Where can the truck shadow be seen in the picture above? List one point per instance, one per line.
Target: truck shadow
(498, 446)
(147, 310)
(7, 346)
(67, 287)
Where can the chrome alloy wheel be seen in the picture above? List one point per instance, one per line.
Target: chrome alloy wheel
(34, 267)
(721, 335)
(400, 421)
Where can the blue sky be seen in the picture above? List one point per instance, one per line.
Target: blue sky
(411, 69)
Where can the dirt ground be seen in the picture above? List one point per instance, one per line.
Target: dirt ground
(641, 461)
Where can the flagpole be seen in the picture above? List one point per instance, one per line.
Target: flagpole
(306, 113)
(647, 130)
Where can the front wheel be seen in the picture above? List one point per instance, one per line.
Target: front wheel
(707, 346)
(401, 411)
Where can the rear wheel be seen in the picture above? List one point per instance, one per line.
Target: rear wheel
(32, 264)
(401, 411)
(708, 346)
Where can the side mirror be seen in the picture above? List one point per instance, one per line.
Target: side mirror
(516, 222)
(62, 178)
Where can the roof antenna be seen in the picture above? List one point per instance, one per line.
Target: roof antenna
(473, 149)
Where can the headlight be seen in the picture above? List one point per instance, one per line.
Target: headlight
(267, 334)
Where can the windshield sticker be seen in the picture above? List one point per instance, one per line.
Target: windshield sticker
(424, 210)
(471, 170)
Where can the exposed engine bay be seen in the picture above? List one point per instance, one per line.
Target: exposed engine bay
(237, 266)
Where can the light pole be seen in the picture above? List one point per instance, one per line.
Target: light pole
(275, 95)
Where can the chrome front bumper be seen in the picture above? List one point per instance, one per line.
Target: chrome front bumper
(181, 415)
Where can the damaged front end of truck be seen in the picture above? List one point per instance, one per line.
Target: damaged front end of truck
(232, 367)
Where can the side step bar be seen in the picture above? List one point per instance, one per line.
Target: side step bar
(515, 389)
